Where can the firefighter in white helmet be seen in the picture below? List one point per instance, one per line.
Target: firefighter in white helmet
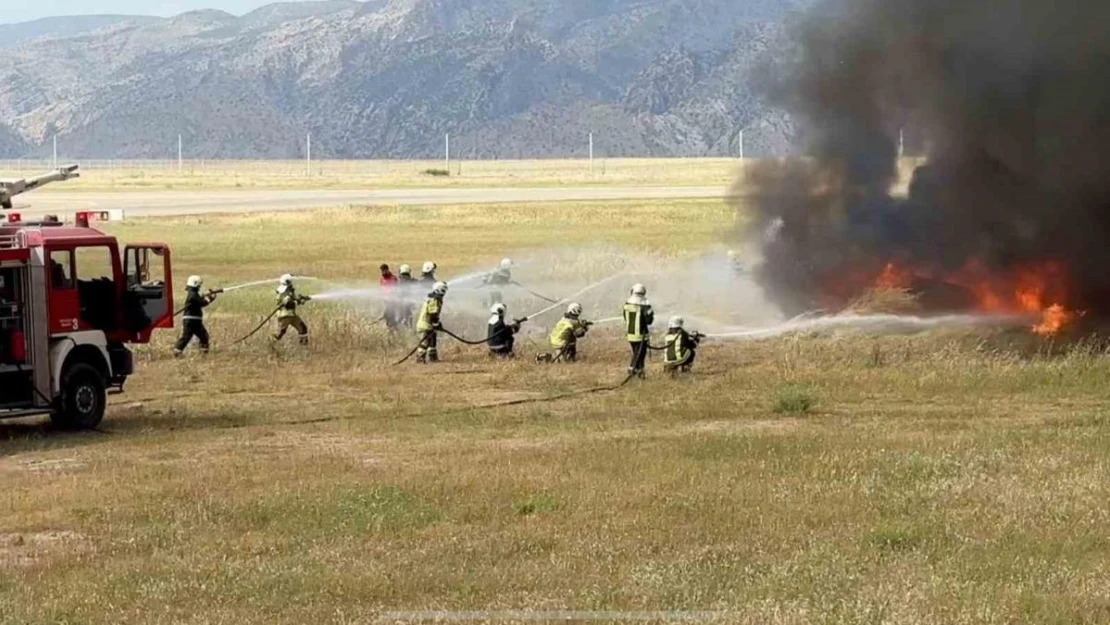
(564, 336)
(638, 317)
(287, 301)
(193, 316)
(406, 293)
(501, 335)
(679, 347)
(428, 273)
(497, 280)
(428, 325)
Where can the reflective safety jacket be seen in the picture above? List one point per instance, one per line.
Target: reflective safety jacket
(429, 314)
(195, 303)
(679, 345)
(638, 317)
(287, 303)
(501, 277)
(567, 332)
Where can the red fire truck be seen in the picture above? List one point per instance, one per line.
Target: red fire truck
(70, 303)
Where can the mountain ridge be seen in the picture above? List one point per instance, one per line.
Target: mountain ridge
(388, 78)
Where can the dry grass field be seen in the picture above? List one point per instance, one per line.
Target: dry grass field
(952, 477)
(211, 175)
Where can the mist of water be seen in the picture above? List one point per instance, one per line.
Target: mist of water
(882, 324)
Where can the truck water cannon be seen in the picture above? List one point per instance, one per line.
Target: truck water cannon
(11, 188)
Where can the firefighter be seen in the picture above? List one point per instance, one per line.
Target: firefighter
(429, 273)
(428, 324)
(501, 336)
(680, 347)
(388, 284)
(638, 317)
(497, 280)
(564, 337)
(288, 301)
(193, 318)
(406, 295)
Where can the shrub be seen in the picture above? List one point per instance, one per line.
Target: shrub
(436, 172)
(795, 400)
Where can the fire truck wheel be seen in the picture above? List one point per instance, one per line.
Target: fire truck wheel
(83, 398)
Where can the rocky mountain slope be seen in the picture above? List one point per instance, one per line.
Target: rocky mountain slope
(388, 78)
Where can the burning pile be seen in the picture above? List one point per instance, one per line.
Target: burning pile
(1009, 99)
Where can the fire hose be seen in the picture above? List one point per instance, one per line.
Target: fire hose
(534, 294)
(259, 327)
(211, 294)
(450, 334)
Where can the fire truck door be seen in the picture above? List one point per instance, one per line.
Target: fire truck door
(149, 299)
(65, 305)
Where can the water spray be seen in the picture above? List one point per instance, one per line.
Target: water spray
(887, 323)
(574, 295)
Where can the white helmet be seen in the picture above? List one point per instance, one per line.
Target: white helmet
(286, 279)
(676, 322)
(429, 267)
(194, 282)
(731, 254)
(498, 309)
(574, 309)
(639, 289)
(506, 263)
(405, 270)
(439, 288)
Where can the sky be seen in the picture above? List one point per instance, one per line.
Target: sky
(24, 10)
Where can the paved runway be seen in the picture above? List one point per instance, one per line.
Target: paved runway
(154, 203)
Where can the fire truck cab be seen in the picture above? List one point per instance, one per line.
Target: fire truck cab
(70, 303)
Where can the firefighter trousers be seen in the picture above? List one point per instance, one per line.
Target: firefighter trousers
(427, 351)
(192, 328)
(293, 321)
(639, 356)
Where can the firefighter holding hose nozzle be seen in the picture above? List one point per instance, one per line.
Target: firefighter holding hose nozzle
(638, 317)
(501, 336)
(428, 324)
(193, 316)
(564, 337)
(287, 302)
(679, 347)
(497, 280)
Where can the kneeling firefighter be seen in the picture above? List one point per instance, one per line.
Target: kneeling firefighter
(193, 318)
(288, 301)
(428, 324)
(638, 317)
(564, 337)
(501, 336)
(680, 347)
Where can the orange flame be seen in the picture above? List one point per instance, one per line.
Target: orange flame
(1053, 319)
(1034, 289)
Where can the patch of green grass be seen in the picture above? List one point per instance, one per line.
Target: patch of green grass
(536, 504)
(794, 399)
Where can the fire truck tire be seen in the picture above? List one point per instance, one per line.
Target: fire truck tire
(84, 398)
(6, 205)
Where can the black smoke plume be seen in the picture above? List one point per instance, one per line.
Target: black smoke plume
(1010, 102)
